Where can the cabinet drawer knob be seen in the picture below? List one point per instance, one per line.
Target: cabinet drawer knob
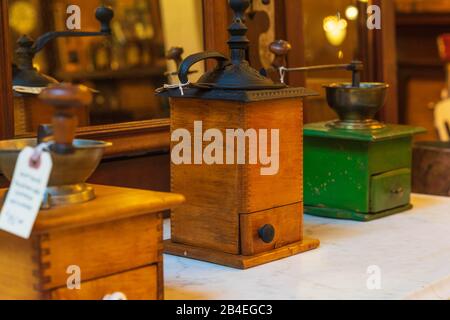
(267, 233)
(398, 191)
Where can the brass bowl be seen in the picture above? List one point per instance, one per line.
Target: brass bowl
(357, 106)
(67, 182)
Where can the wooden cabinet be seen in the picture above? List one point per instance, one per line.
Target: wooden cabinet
(431, 167)
(228, 205)
(113, 243)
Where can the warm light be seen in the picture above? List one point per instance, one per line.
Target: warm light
(335, 30)
(23, 17)
(340, 55)
(351, 13)
(37, 67)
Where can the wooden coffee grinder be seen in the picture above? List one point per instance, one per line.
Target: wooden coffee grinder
(234, 214)
(88, 242)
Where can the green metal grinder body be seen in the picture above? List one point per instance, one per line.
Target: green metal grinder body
(357, 174)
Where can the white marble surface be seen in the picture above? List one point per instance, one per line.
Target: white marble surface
(412, 250)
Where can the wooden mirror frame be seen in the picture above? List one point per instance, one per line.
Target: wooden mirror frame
(6, 99)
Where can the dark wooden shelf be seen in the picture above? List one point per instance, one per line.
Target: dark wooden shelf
(423, 19)
(125, 74)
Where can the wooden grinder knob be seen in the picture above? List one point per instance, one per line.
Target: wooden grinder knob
(280, 49)
(65, 98)
(176, 54)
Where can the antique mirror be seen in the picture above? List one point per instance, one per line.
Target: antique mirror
(123, 70)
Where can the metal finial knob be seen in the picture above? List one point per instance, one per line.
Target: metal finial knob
(239, 7)
(24, 53)
(104, 15)
(238, 40)
(25, 42)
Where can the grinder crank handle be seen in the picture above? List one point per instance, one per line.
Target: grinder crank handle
(65, 98)
(195, 58)
(103, 14)
(280, 48)
(355, 67)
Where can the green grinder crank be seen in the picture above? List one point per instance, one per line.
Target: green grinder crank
(356, 167)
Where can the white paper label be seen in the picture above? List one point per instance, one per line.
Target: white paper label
(26, 192)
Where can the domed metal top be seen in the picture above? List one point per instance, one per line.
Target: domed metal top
(233, 73)
(233, 78)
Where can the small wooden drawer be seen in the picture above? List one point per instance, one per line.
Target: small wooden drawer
(101, 250)
(140, 284)
(271, 229)
(390, 190)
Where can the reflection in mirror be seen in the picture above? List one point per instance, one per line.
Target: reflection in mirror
(331, 36)
(261, 32)
(424, 68)
(123, 69)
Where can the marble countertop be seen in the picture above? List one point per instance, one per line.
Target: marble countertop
(408, 253)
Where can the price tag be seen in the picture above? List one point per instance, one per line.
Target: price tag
(26, 193)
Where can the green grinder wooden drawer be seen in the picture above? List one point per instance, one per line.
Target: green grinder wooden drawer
(390, 190)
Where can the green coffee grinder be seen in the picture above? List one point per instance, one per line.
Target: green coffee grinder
(356, 167)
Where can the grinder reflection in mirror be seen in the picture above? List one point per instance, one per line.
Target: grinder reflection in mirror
(28, 81)
(74, 160)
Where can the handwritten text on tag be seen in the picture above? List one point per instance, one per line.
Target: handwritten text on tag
(26, 192)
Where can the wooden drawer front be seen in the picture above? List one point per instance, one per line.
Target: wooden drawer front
(101, 250)
(286, 221)
(141, 284)
(390, 190)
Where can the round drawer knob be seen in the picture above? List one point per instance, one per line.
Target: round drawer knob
(398, 191)
(267, 233)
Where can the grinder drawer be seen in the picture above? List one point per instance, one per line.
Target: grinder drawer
(140, 284)
(390, 190)
(267, 230)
